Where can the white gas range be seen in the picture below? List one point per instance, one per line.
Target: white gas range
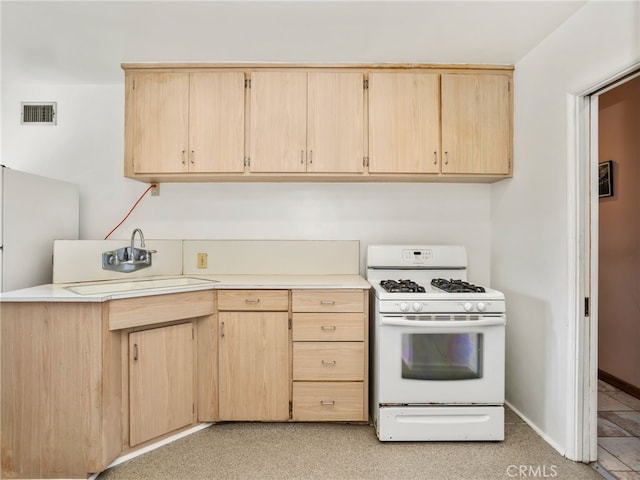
(438, 346)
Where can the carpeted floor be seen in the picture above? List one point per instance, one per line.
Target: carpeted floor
(304, 451)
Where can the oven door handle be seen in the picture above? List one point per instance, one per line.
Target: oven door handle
(402, 322)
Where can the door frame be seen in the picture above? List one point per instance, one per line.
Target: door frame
(583, 228)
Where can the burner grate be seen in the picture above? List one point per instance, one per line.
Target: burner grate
(456, 286)
(401, 286)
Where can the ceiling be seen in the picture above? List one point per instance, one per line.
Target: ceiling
(86, 41)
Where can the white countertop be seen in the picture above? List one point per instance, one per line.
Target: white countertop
(61, 292)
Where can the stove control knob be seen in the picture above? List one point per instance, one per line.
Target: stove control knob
(468, 306)
(417, 306)
(404, 307)
(481, 306)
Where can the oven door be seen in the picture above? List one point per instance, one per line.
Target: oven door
(445, 361)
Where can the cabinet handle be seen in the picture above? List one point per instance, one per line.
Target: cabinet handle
(310, 156)
(328, 363)
(252, 300)
(328, 328)
(329, 403)
(192, 157)
(184, 162)
(446, 158)
(135, 351)
(435, 158)
(327, 302)
(302, 157)
(222, 329)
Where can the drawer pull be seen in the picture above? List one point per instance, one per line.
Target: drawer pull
(327, 302)
(252, 300)
(328, 363)
(328, 328)
(325, 403)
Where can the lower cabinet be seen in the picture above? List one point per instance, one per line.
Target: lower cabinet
(253, 355)
(330, 355)
(161, 381)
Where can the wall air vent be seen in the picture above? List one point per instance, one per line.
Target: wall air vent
(38, 113)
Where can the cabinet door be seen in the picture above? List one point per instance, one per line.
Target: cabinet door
(161, 381)
(476, 126)
(404, 123)
(278, 122)
(335, 137)
(254, 366)
(216, 130)
(161, 122)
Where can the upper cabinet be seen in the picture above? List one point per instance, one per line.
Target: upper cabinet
(184, 123)
(476, 124)
(307, 122)
(201, 122)
(404, 122)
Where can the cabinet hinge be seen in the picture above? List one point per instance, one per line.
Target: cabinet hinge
(586, 306)
(365, 161)
(193, 333)
(289, 324)
(134, 84)
(247, 161)
(508, 86)
(247, 83)
(365, 84)
(290, 408)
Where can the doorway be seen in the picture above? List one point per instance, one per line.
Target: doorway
(584, 172)
(618, 163)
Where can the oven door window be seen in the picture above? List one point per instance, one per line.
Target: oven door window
(442, 356)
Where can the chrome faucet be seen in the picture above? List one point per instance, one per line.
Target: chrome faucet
(133, 237)
(128, 259)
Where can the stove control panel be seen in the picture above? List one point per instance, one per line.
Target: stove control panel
(429, 307)
(419, 255)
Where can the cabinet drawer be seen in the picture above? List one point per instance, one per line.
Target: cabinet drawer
(327, 301)
(323, 327)
(328, 361)
(328, 401)
(254, 300)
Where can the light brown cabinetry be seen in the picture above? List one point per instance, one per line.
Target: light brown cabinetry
(404, 122)
(476, 124)
(184, 122)
(307, 122)
(74, 397)
(161, 381)
(330, 355)
(61, 390)
(393, 122)
(254, 365)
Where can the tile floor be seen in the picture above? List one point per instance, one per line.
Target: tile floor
(618, 432)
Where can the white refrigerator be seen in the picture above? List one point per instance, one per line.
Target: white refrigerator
(34, 211)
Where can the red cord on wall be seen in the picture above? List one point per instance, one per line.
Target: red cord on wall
(153, 185)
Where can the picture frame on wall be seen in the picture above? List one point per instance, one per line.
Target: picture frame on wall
(605, 179)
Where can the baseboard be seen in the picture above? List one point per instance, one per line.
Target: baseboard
(620, 384)
(534, 427)
(153, 446)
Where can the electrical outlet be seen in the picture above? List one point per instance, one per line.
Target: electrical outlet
(155, 191)
(202, 260)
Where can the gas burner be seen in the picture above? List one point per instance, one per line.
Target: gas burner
(456, 286)
(401, 286)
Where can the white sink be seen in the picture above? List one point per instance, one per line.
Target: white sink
(142, 284)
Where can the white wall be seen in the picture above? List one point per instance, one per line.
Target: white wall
(529, 214)
(86, 147)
